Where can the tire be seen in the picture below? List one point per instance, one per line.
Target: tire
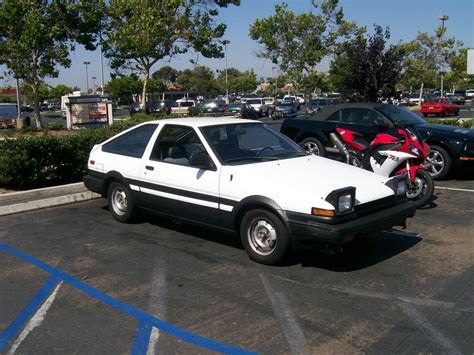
(314, 146)
(445, 113)
(456, 113)
(121, 203)
(438, 162)
(422, 191)
(264, 237)
(425, 115)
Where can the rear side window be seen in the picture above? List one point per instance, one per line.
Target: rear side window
(133, 143)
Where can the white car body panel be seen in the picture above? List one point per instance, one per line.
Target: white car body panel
(301, 183)
(296, 184)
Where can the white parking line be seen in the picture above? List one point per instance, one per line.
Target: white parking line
(36, 320)
(157, 306)
(450, 306)
(453, 189)
(426, 327)
(289, 323)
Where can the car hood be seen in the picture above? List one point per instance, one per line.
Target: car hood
(298, 184)
(459, 132)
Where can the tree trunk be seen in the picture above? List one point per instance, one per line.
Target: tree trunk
(421, 93)
(39, 124)
(146, 76)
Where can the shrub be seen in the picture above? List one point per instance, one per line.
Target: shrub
(45, 160)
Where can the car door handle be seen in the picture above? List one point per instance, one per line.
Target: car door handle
(148, 167)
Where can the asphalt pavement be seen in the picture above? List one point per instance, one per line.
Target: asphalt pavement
(73, 280)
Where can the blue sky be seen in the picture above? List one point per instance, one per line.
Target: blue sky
(405, 17)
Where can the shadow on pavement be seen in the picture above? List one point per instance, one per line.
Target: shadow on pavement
(360, 254)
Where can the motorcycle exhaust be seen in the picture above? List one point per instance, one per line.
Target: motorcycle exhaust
(341, 146)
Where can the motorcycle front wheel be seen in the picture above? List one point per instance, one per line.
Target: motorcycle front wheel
(421, 191)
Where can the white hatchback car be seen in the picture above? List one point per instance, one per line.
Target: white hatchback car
(240, 176)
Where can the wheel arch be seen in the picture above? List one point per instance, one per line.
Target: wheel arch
(257, 202)
(110, 177)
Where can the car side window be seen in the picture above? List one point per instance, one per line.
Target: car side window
(133, 143)
(361, 116)
(335, 117)
(177, 145)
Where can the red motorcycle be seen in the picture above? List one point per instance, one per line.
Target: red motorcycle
(397, 151)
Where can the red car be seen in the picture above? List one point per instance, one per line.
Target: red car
(439, 106)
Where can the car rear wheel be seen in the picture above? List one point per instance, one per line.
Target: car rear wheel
(264, 237)
(313, 146)
(121, 203)
(438, 162)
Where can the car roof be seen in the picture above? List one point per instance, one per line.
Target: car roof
(203, 121)
(329, 110)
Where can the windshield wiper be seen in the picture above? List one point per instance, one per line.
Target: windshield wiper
(292, 154)
(250, 158)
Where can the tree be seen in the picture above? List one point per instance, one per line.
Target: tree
(166, 73)
(43, 92)
(59, 91)
(298, 43)
(458, 77)
(364, 69)
(198, 80)
(237, 81)
(427, 55)
(139, 33)
(36, 37)
(123, 88)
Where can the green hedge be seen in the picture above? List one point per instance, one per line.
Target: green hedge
(37, 161)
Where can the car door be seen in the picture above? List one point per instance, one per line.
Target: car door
(362, 120)
(171, 186)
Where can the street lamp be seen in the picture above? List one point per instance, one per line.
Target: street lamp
(276, 81)
(87, 76)
(443, 18)
(93, 83)
(225, 42)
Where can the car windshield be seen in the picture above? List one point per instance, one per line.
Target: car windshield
(433, 99)
(253, 101)
(286, 103)
(400, 116)
(234, 106)
(318, 102)
(249, 143)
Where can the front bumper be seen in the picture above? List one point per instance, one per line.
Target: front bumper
(306, 231)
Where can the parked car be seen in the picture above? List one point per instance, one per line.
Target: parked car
(9, 114)
(208, 171)
(212, 106)
(439, 106)
(183, 106)
(319, 104)
(259, 105)
(160, 107)
(242, 110)
(292, 98)
(134, 108)
(286, 107)
(459, 97)
(448, 144)
(470, 93)
(414, 99)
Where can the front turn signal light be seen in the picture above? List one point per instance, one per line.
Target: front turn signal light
(322, 212)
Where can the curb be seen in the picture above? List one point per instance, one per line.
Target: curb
(17, 202)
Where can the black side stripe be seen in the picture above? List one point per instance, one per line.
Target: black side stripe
(172, 190)
(184, 193)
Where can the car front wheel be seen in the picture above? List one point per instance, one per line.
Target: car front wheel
(313, 146)
(264, 237)
(438, 162)
(121, 202)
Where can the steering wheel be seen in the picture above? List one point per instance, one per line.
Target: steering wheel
(262, 150)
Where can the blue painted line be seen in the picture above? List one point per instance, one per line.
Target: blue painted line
(140, 345)
(19, 322)
(141, 316)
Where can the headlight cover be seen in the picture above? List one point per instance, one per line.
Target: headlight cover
(398, 184)
(414, 150)
(343, 199)
(469, 147)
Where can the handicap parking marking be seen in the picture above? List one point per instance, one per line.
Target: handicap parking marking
(146, 320)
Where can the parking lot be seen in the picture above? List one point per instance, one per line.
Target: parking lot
(73, 280)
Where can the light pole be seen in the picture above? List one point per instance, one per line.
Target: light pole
(225, 42)
(93, 83)
(102, 69)
(276, 81)
(87, 76)
(443, 18)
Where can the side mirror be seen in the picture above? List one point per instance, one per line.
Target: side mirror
(201, 161)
